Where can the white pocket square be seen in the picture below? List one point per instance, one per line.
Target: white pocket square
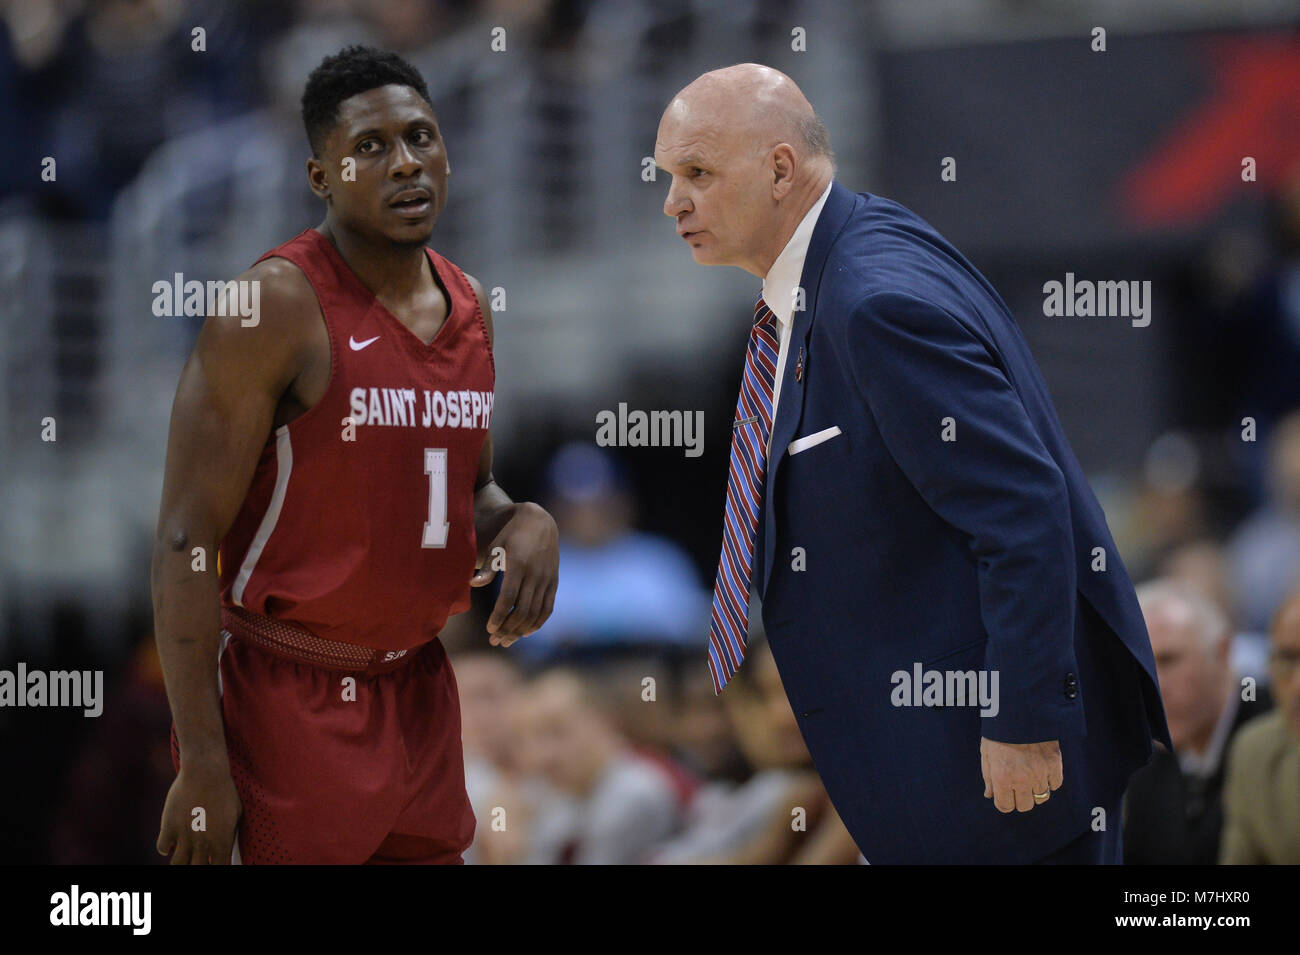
(812, 440)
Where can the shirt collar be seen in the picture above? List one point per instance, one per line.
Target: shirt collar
(784, 275)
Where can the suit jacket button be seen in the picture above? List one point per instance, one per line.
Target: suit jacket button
(1071, 686)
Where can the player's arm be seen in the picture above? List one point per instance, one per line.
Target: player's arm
(527, 539)
(221, 418)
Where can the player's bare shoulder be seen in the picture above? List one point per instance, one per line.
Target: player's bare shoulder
(293, 301)
(481, 294)
(291, 316)
(243, 372)
(267, 343)
(282, 353)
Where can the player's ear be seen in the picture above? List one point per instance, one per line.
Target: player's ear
(317, 178)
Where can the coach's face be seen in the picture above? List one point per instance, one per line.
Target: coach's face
(721, 196)
(384, 166)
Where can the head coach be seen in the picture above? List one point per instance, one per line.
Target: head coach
(957, 635)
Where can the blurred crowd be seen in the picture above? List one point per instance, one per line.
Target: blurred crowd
(599, 739)
(640, 763)
(1224, 619)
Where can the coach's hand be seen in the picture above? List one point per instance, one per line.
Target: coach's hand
(206, 786)
(1014, 772)
(531, 544)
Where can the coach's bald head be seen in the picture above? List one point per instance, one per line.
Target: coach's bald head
(748, 157)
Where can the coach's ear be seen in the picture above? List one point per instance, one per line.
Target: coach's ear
(783, 170)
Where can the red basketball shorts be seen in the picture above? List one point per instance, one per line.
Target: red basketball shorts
(339, 767)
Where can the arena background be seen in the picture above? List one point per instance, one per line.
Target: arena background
(1124, 164)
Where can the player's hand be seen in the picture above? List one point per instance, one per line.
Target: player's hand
(1013, 772)
(531, 543)
(207, 786)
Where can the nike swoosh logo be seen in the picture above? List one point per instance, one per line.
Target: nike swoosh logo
(357, 346)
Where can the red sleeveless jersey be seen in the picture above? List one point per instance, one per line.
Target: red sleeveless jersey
(359, 522)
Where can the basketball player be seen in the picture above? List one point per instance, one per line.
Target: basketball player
(338, 451)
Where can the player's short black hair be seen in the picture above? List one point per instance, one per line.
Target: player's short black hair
(353, 70)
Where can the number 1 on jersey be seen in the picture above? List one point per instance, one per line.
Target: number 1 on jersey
(436, 528)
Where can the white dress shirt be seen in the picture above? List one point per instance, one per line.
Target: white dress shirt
(779, 289)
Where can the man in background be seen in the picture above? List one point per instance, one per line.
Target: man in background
(607, 803)
(627, 591)
(1262, 793)
(1172, 810)
(780, 814)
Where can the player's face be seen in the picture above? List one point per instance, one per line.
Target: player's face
(717, 196)
(386, 165)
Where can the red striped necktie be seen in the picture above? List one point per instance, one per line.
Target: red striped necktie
(749, 437)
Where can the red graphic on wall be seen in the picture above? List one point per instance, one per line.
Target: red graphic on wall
(1253, 109)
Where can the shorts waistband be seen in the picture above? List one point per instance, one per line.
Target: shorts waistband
(292, 641)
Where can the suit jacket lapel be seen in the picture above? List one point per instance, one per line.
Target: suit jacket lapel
(789, 407)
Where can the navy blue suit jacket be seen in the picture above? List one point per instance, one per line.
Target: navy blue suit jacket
(982, 552)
